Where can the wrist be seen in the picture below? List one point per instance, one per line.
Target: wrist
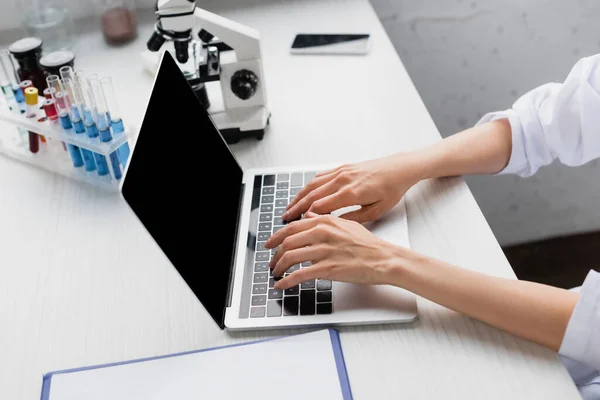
(402, 262)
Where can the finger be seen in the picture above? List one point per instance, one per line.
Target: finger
(331, 203)
(365, 214)
(290, 229)
(329, 171)
(310, 186)
(297, 256)
(304, 204)
(296, 278)
(297, 241)
(309, 214)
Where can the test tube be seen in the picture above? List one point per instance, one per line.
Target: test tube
(53, 82)
(68, 87)
(5, 83)
(48, 93)
(31, 99)
(114, 115)
(11, 75)
(102, 122)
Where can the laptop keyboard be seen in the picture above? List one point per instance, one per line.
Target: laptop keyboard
(308, 298)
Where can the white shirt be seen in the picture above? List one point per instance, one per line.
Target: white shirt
(562, 120)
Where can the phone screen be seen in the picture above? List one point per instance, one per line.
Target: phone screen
(331, 43)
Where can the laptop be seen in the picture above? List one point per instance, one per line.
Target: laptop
(211, 219)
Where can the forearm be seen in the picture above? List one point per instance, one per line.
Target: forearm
(536, 312)
(483, 149)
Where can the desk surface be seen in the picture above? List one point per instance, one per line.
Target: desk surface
(81, 281)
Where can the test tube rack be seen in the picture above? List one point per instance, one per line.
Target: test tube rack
(51, 156)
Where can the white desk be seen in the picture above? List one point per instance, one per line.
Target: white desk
(81, 282)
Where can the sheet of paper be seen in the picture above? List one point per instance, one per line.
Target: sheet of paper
(294, 367)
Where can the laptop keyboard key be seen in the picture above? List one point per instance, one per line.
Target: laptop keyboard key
(279, 212)
(271, 282)
(290, 305)
(307, 263)
(293, 291)
(261, 277)
(307, 302)
(297, 179)
(267, 217)
(282, 185)
(278, 221)
(266, 208)
(264, 226)
(264, 235)
(283, 177)
(274, 308)
(324, 285)
(267, 199)
(293, 268)
(262, 256)
(275, 294)
(260, 288)
(260, 246)
(277, 228)
(281, 194)
(257, 312)
(294, 191)
(259, 300)
(261, 267)
(308, 284)
(324, 308)
(309, 176)
(281, 203)
(324, 297)
(268, 190)
(269, 180)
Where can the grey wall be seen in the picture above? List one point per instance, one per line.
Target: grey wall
(468, 57)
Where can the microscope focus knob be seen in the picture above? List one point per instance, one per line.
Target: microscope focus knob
(244, 84)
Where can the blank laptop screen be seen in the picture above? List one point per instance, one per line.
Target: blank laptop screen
(184, 185)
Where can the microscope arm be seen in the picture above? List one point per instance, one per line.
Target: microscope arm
(244, 40)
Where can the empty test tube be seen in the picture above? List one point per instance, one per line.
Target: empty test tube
(114, 116)
(5, 83)
(62, 110)
(102, 121)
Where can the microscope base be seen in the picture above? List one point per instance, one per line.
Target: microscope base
(234, 135)
(242, 123)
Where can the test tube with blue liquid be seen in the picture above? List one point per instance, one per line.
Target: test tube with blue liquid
(115, 118)
(74, 104)
(87, 112)
(62, 109)
(13, 79)
(5, 83)
(103, 123)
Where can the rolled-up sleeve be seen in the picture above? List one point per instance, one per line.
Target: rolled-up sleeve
(556, 121)
(581, 342)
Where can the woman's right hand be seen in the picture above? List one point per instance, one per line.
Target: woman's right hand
(375, 185)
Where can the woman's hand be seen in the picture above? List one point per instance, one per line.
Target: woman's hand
(375, 185)
(339, 249)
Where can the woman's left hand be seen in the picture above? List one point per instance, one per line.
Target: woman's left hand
(339, 249)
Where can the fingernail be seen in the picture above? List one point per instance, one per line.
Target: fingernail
(277, 286)
(285, 215)
(267, 243)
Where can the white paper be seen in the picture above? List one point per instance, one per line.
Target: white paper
(294, 367)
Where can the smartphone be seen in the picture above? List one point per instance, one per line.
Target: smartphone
(320, 43)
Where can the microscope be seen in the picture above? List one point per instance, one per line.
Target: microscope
(227, 52)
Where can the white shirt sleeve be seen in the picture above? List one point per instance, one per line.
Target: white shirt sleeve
(581, 342)
(556, 121)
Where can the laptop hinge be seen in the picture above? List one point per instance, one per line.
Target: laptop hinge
(235, 253)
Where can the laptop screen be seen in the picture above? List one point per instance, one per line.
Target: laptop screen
(184, 185)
